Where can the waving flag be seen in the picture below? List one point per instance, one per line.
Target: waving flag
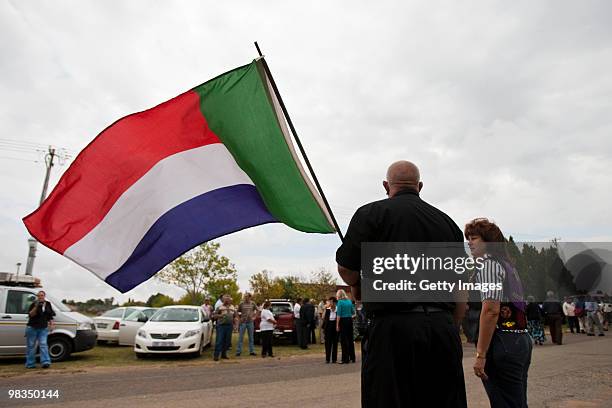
(214, 160)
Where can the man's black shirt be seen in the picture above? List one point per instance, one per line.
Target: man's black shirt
(307, 313)
(41, 319)
(401, 218)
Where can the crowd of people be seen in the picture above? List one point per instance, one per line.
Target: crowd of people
(337, 320)
(582, 314)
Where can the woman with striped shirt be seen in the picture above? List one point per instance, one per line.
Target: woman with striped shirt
(503, 351)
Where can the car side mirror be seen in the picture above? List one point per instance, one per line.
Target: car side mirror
(143, 319)
(205, 319)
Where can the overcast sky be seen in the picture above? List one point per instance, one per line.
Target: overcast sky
(505, 106)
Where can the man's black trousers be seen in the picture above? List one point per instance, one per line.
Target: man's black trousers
(412, 359)
(300, 328)
(331, 342)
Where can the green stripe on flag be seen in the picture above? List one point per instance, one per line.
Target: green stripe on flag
(238, 109)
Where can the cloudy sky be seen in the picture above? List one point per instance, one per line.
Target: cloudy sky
(505, 106)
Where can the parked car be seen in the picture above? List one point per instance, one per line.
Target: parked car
(282, 309)
(109, 323)
(174, 329)
(130, 325)
(73, 332)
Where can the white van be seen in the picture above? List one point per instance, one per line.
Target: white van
(73, 332)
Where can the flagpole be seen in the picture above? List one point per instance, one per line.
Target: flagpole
(297, 140)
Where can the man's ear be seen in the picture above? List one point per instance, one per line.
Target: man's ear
(386, 186)
(420, 186)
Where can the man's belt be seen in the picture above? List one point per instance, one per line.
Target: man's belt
(416, 309)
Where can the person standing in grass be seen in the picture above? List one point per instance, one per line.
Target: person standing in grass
(40, 322)
(247, 311)
(321, 308)
(307, 313)
(266, 327)
(226, 317)
(329, 330)
(207, 308)
(344, 326)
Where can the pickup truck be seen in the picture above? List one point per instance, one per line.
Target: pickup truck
(282, 309)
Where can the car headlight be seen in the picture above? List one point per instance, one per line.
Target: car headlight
(84, 326)
(192, 333)
(142, 333)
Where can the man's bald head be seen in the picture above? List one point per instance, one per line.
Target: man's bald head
(402, 175)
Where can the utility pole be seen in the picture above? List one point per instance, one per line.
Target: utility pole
(32, 243)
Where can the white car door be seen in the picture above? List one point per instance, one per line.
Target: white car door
(129, 327)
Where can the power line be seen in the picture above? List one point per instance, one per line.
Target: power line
(22, 142)
(15, 158)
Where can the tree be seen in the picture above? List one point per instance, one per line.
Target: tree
(322, 284)
(197, 269)
(291, 287)
(225, 286)
(263, 286)
(133, 302)
(159, 300)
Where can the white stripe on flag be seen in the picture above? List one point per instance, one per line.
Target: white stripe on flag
(171, 182)
(289, 140)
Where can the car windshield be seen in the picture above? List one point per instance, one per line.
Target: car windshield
(139, 314)
(176, 315)
(281, 308)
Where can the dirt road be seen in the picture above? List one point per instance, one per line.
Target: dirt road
(577, 374)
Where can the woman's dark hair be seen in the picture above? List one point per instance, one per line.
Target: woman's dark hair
(333, 299)
(489, 232)
(266, 304)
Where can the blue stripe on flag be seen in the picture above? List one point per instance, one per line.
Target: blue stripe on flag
(203, 218)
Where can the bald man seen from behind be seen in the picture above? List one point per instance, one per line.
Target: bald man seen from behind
(411, 354)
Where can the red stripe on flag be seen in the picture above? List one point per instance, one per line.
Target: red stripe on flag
(111, 163)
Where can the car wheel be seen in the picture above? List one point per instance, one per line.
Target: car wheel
(59, 348)
(100, 342)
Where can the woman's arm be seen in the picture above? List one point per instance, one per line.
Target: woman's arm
(488, 321)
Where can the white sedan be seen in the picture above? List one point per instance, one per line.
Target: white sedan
(109, 323)
(130, 325)
(174, 329)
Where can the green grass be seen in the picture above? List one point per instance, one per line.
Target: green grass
(123, 356)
